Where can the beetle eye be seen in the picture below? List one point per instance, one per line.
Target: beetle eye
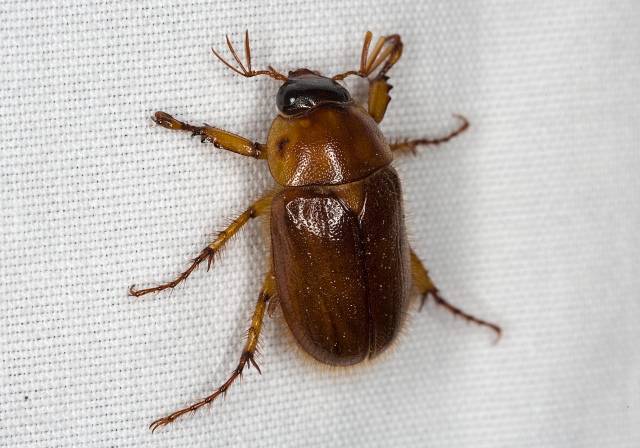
(287, 96)
(303, 92)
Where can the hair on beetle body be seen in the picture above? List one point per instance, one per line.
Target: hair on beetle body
(341, 276)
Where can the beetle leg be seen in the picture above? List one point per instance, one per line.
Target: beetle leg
(219, 138)
(409, 147)
(212, 249)
(246, 359)
(426, 288)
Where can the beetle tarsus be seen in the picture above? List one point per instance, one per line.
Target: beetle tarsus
(435, 294)
(167, 121)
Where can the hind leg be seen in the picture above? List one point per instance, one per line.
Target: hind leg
(246, 359)
(427, 289)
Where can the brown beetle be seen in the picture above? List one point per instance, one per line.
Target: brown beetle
(341, 269)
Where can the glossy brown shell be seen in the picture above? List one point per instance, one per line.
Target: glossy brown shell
(343, 275)
(334, 144)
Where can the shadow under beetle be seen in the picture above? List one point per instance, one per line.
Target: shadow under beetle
(340, 266)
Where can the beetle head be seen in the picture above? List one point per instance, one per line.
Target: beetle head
(305, 89)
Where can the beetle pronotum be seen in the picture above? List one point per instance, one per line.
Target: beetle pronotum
(340, 266)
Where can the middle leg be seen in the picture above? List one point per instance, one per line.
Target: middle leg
(409, 147)
(212, 249)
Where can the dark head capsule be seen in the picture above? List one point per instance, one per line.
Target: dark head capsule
(304, 89)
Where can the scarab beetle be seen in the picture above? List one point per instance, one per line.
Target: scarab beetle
(340, 267)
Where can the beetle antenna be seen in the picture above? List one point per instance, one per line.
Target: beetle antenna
(247, 71)
(370, 62)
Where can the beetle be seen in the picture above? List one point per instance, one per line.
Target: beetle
(340, 267)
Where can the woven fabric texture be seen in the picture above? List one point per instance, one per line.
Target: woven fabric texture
(530, 219)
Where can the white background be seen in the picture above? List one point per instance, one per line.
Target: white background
(530, 220)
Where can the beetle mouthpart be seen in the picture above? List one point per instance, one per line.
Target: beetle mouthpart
(247, 72)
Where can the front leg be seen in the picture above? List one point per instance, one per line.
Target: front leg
(219, 138)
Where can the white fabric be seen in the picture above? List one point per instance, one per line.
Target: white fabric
(530, 220)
